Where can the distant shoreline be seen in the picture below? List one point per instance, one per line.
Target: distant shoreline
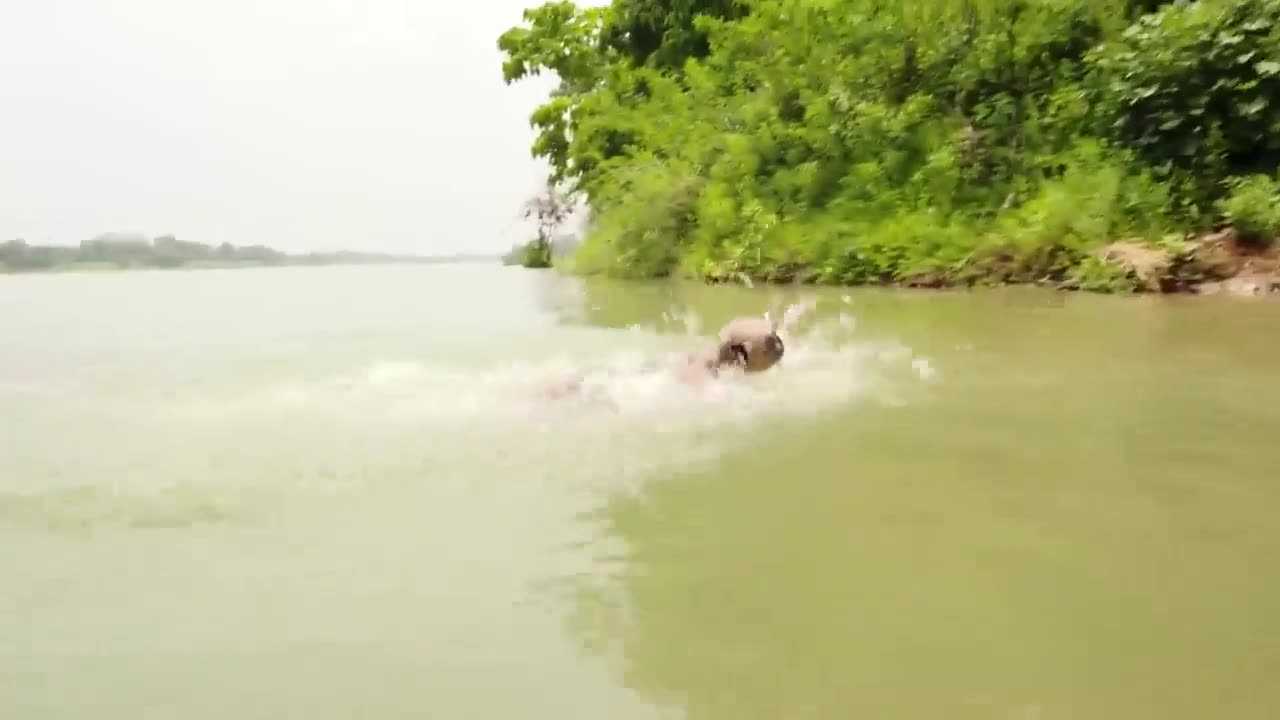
(131, 253)
(233, 265)
(89, 267)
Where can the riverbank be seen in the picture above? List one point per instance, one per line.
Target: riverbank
(1211, 264)
(1218, 263)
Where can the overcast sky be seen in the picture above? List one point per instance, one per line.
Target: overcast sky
(301, 124)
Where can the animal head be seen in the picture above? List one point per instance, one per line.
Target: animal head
(750, 343)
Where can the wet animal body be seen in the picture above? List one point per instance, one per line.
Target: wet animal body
(749, 344)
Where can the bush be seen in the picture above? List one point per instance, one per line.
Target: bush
(1252, 206)
(1195, 87)
(646, 223)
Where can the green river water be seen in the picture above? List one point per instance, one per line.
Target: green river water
(335, 492)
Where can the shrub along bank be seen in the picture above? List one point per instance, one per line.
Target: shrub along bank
(1091, 144)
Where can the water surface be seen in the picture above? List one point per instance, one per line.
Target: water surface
(318, 492)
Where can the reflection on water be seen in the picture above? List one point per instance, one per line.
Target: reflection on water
(241, 494)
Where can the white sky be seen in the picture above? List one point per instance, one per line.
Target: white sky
(301, 124)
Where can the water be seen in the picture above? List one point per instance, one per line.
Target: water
(320, 492)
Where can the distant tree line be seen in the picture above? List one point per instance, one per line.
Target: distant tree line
(166, 251)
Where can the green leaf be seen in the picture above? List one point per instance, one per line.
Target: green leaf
(1254, 107)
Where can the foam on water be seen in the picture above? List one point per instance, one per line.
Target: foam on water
(399, 420)
(630, 388)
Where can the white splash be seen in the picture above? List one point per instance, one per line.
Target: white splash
(620, 414)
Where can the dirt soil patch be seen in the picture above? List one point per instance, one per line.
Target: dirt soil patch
(1216, 263)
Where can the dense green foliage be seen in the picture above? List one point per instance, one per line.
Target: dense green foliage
(122, 252)
(862, 141)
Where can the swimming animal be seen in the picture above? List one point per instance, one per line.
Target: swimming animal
(752, 342)
(749, 344)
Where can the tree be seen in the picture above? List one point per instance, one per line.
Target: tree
(550, 209)
(564, 39)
